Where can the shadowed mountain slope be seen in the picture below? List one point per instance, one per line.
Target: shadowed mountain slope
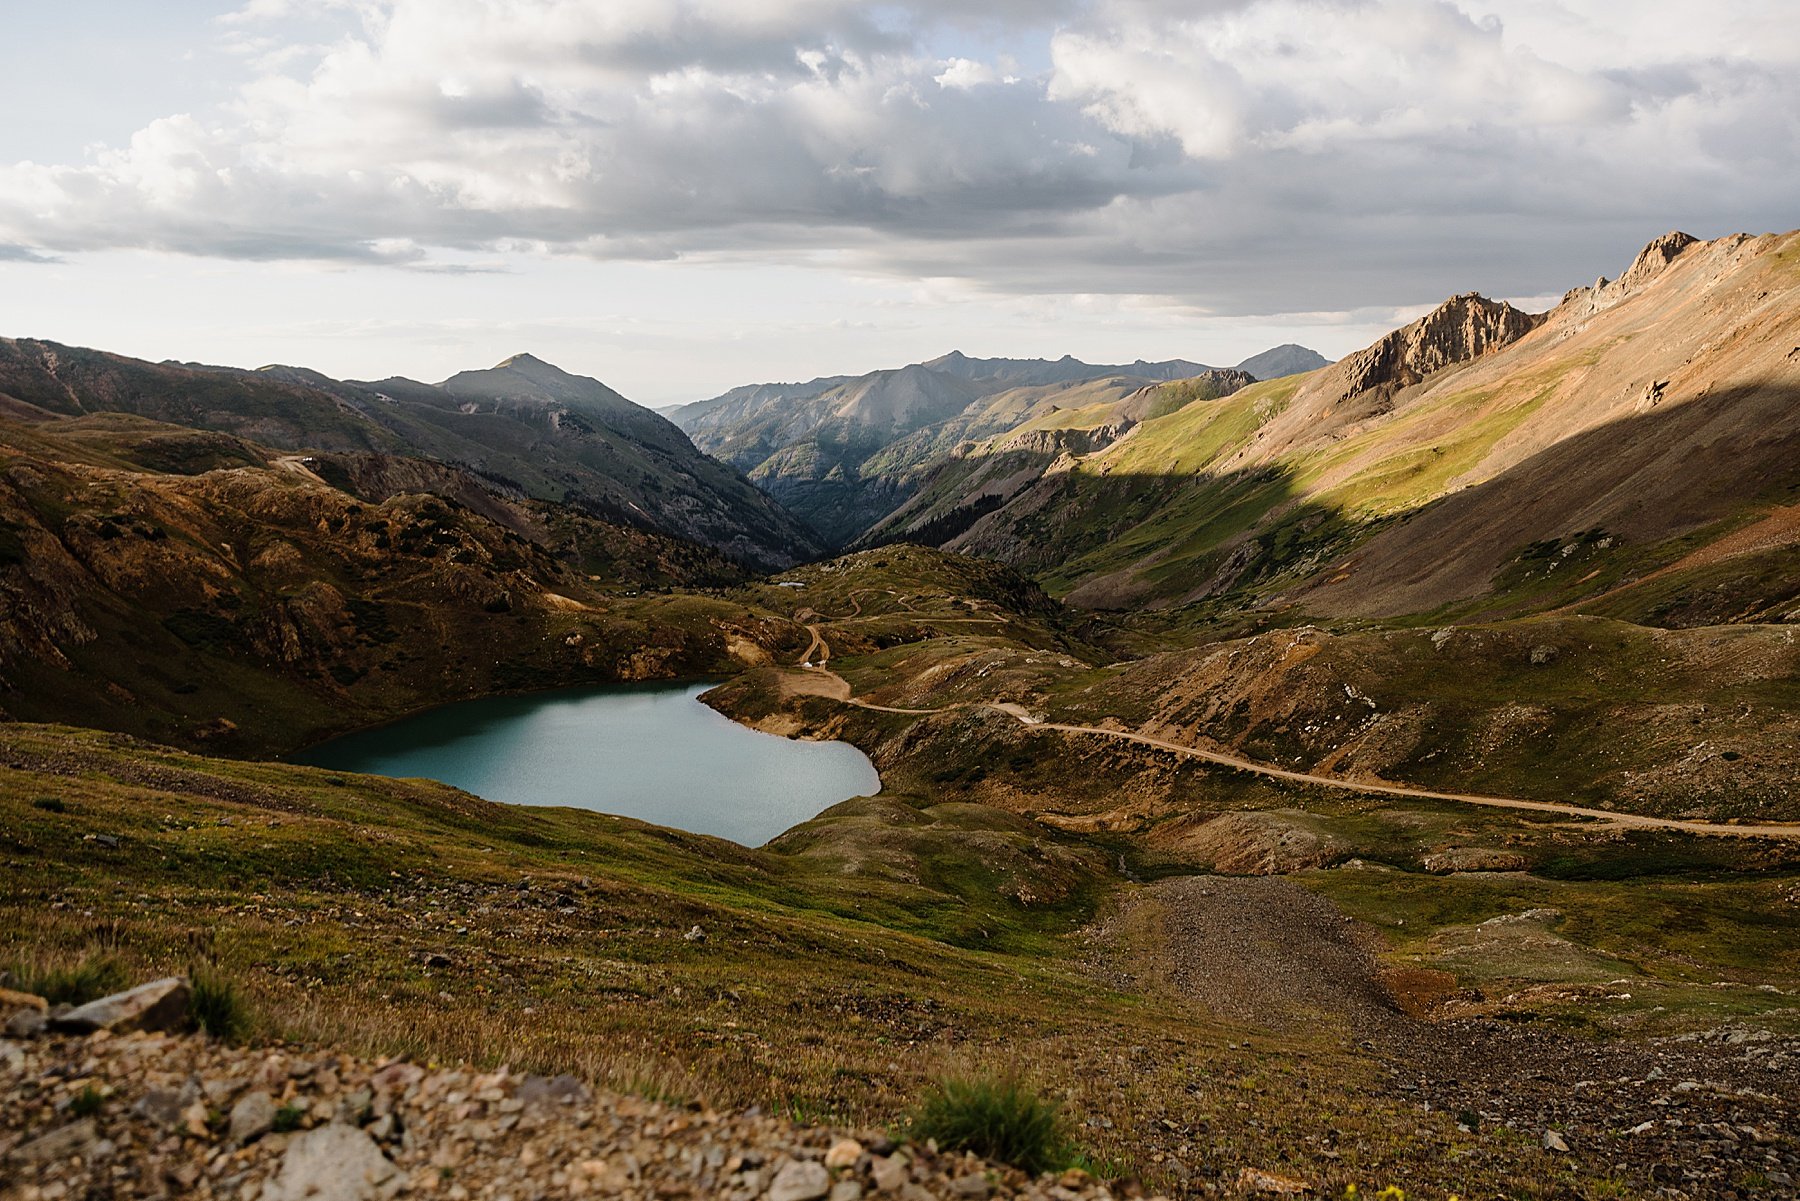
(198, 589)
(523, 424)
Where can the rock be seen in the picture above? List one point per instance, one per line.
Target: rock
(75, 1139)
(1554, 1142)
(970, 1186)
(22, 1014)
(800, 1180)
(1473, 859)
(694, 935)
(1254, 1180)
(252, 1117)
(846, 1190)
(333, 1163)
(159, 1005)
(889, 1174)
(162, 1106)
(12, 1002)
(843, 1154)
(553, 1090)
(25, 1023)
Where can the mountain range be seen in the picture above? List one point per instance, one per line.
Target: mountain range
(842, 452)
(1480, 452)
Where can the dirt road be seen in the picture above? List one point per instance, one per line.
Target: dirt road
(842, 691)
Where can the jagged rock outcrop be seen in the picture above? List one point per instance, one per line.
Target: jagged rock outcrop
(1655, 258)
(1461, 329)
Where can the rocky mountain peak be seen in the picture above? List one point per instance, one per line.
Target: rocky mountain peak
(1463, 328)
(1656, 257)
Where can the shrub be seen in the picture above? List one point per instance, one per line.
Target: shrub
(50, 804)
(218, 1007)
(86, 1103)
(1003, 1120)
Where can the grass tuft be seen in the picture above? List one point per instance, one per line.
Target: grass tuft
(218, 1007)
(1003, 1119)
(88, 980)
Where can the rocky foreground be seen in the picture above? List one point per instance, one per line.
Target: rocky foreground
(97, 1106)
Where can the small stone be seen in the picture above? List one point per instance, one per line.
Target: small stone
(1554, 1142)
(26, 1023)
(252, 1117)
(694, 935)
(553, 1090)
(846, 1190)
(159, 1005)
(843, 1154)
(75, 1139)
(889, 1174)
(800, 1180)
(1254, 1180)
(161, 1106)
(970, 1186)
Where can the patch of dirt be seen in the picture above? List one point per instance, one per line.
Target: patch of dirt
(1261, 843)
(1701, 1113)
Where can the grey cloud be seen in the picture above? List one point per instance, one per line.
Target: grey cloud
(819, 126)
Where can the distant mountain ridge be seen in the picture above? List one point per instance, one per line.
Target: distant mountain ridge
(843, 452)
(523, 424)
(1282, 361)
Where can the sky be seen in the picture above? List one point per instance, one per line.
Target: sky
(679, 196)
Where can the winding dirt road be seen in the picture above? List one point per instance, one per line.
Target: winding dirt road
(820, 680)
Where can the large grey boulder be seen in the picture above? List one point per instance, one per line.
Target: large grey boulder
(334, 1163)
(158, 1005)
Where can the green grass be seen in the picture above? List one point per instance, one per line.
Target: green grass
(88, 978)
(218, 1007)
(1001, 1119)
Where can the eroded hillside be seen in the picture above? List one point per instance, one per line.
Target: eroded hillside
(252, 604)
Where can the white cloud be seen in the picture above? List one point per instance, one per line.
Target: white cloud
(1239, 155)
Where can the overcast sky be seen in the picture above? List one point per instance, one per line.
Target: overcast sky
(682, 195)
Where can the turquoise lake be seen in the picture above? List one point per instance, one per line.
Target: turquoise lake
(647, 751)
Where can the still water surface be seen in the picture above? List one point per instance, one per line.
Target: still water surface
(647, 751)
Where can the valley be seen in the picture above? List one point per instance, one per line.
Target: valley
(1379, 774)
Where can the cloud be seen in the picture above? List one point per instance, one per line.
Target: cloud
(1240, 156)
(23, 254)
